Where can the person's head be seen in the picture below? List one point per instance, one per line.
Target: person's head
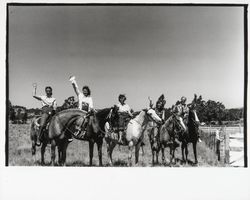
(161, 102)
(122, 98)
(183, 100)
(71, 99)
(48, 91)
(86, 91)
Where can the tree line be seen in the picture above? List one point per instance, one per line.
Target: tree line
(209, 111)
(212, 111)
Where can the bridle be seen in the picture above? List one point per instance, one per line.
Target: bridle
(177, 124)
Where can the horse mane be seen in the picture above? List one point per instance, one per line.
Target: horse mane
(168, 120)
(101, 113)
(72, 110)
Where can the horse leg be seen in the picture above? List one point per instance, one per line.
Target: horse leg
(137, 150)
(186, 151)
(173, 153)
(195, 153)
(64, 153)
(182, 152)
(91, 150)
(108, 152)
(163, 155)
(59, 149)
(112, 146)
(53, 153)
(43, 147)
(33, 150)
(130, 148)
(157, 154)
(153, 157)
(99, 147)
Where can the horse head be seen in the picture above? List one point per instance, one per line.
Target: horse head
(152, 116)
(179, 124)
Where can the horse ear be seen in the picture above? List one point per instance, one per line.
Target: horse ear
(150, 102)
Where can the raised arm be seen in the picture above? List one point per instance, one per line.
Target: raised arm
(75, 86)
(34, 94)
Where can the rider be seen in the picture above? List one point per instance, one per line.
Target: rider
(181, 110)
(85, 102)
(125, 114)
(184, 109)
(159, 108)
(160, 111)
(48, 109)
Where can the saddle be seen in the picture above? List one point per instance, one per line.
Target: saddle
(46, 127)
(81, 126)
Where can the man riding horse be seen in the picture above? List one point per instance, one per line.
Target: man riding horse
(181, 109)
(159, 108)
(48, 110)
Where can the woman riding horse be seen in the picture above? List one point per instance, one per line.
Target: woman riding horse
(67, 121)
(85, 103)
(134, 133)
(48, 109)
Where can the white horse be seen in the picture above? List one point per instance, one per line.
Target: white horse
(134, 134)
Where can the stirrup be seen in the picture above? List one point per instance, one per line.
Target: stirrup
(38, 143)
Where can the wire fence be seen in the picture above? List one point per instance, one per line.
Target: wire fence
(230, 147)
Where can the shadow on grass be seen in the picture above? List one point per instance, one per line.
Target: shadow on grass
(120, 163)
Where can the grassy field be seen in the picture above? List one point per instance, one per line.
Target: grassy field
(77, 153)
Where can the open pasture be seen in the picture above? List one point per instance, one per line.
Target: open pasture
(77, 153)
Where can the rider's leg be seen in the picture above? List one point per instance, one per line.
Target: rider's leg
(44, 118)
(79, 124)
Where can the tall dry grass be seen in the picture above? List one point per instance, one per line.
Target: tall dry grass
(77, 153)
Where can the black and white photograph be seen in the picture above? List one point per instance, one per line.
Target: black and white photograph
(124, 100)
(126, 85)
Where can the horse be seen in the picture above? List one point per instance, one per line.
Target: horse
(134, 134)
(65, 123)
(164, 136)
(191, 135)
(34, 132)
(35, 125)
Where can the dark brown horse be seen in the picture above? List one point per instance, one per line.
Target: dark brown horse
(65, 123)
(164, 136)
(35, 125)
(191, 135)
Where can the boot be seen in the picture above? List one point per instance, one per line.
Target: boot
(39, 140)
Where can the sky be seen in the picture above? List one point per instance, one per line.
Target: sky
(141, 51)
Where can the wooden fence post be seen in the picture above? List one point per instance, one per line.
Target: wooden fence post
(227, 149)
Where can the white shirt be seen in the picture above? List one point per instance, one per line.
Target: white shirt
(48, 101)
(123, 108)
(84, 100)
